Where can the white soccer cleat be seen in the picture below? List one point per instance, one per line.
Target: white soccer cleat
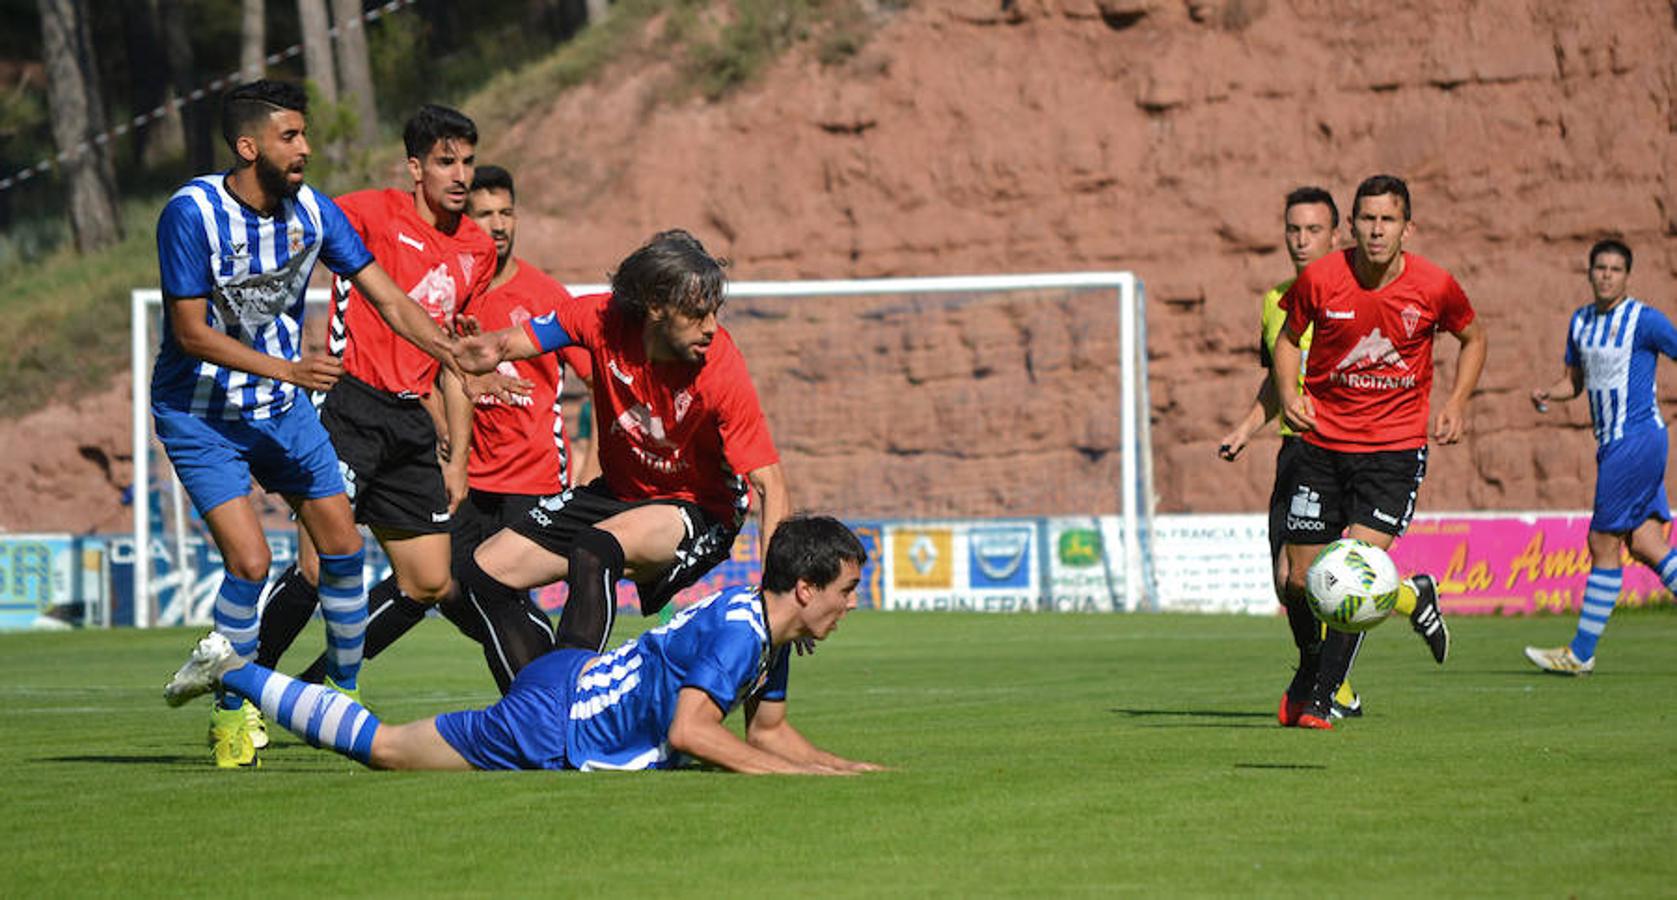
(1559, 660)
(202, 670)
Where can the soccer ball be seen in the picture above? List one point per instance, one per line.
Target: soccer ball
(1353, 585)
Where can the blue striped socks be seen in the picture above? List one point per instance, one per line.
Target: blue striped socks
(343, 604)
(235, 617)
(1601, 591)
(319, 715)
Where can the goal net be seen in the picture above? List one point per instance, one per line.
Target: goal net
(988, 437)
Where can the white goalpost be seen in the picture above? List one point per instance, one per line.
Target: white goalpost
(1067, 325)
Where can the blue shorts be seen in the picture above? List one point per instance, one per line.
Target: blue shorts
(215, 459)
(1630, 482)
(526, 728)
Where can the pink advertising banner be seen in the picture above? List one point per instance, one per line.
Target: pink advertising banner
(1512, 564)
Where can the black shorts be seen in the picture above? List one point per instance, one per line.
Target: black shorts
(555, 522)
(1330, 491)
(387, 451)
(1286, 461)
(481, 515)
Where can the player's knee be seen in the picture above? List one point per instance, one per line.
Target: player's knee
(429, 590)
(251, 565)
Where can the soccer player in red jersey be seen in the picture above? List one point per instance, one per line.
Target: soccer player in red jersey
(680, 436)
(1364, 406)
(519, 455)
(402, 485)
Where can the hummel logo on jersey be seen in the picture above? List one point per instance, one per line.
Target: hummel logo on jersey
(417, 245)
(619, 374)
(439, 517)
(1340, 313)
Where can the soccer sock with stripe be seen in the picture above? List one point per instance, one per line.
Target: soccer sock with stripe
(290, 604)
(343, 604)
(509, 624)
(235, 617)
(390, 614)
(317, 714)
(1601, 591)
(596, 563)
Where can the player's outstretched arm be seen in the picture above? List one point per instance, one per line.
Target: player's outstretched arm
(192, 331)
(767, 729)
(1289, 360)
(697, 731)
(404, 315)
(1452, 419)
(480, 353)
(457, 419)
(1568, 386)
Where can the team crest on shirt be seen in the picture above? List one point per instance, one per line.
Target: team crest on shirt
(294, 238)
(468, 263)
(1411, 318)
(683, 401)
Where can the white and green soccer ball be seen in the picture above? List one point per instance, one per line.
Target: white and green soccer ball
(1353, 585)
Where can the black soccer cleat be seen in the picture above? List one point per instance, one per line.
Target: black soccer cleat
(1428, 620)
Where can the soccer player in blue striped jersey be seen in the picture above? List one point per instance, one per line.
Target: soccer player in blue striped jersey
(235, 251)
(654, 703)
(1612, 346)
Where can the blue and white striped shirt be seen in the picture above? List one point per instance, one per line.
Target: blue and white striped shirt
(621, 711)
(254, 269)
(1617, 351)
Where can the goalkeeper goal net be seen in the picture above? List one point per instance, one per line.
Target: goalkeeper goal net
(988, 437)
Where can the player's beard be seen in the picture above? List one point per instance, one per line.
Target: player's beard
(273, 180)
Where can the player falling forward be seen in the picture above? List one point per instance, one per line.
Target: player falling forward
(1364, 406)
(235, 252)
(648, 704)
(401, 485)
(519, 455)
(679, 426)
(1612, 348)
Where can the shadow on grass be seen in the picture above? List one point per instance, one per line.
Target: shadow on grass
(1226, 718)
(138, 760)
(1311, 767)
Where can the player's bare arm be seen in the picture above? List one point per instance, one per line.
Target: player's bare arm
(314, 372)
(1265, 404)
(457, 418)
(405, 316)
(766, 728)
(1452, 419)
(1568, 386)
(697, 731)
(776, 500)
(1289, 359)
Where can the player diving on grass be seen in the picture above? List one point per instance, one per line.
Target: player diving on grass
(1362, 408)
(1613, 346)
(652, 703)
(235, 251)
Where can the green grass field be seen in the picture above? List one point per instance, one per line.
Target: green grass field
(1055, 754)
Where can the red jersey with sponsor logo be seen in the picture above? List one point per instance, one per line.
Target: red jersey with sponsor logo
(670, 429)
(442, 272)
(520, 448)
(1370, 369)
